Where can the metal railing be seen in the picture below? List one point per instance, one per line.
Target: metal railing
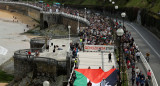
(20, 3)
(73, 70)
(47, 12)
(147, 67)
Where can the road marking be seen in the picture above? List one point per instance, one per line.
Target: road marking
(144, 39)
(3, 50)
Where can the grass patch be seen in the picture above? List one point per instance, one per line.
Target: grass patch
(156, 7)
(4, 77)
(137, 3)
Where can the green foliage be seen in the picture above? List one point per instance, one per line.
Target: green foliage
(4, 77)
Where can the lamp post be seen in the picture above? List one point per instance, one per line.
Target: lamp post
(116, 8)
(34, 2)
(85, 13)
(63, 7)
(120, 32)
(102, 58)
(113, 5)
(123, 14)
(69, 27)
(46, 83)
(78, 23)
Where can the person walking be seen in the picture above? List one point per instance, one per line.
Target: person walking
(146, 82)
(138, 55)
(137, 81)
(137, 70)
(133, 79)
(89, 83)
(110, 57)
(149, 74)
(142, 82)
(147, 56)
(29, 54)
(26, 54)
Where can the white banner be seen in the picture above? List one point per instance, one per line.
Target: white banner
(95, 48)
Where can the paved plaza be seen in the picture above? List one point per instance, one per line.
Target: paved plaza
(60, 52)
(93, 59)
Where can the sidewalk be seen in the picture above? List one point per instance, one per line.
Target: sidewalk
(141, 68)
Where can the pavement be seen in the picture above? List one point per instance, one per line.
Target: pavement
(59, 55)
(94, 60)
(147, 42)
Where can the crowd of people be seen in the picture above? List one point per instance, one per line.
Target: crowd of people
(132, 55)
(100, 32)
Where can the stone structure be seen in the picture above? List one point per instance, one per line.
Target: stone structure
(40, 66)
(46, 18)
(28, 10)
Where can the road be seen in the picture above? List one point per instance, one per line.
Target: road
(147, 42)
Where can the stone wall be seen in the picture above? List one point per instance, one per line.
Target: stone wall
(46, 19)
(38, 65)
(23, 9)
(59, 18)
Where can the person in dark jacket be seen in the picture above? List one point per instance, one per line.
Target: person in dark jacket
(147, 82)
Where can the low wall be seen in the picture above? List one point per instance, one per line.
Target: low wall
(37, 65)
(50, 18)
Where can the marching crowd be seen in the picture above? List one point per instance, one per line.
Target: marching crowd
(132, 55)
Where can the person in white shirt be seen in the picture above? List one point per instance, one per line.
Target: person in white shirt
(138, 56)
(137, 70)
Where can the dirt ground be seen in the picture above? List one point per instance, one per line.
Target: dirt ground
(13, 16)
(3, 84)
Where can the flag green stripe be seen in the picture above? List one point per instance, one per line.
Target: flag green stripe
(81, 80)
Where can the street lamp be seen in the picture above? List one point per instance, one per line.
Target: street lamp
(85, 13)
(46, 83)
(120, 32)
(113, 2)
(69, 27)
(78, 23)
(113, 5)
(62, 7)
(116, 7)
(123, 16)
(102, 58)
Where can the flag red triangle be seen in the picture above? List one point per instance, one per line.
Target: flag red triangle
(95, 75)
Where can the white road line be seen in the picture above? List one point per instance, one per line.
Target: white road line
(144, 39)
(3, 50)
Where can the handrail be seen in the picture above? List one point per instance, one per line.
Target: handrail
(73, 69)
(59, 13)
(147, 66)
(22, 4)
(71, 74)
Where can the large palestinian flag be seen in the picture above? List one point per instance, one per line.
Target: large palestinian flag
(97, 77)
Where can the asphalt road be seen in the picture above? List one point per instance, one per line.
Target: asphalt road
(147, 42)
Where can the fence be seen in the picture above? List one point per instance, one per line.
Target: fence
(147, 67)
(73, 70)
